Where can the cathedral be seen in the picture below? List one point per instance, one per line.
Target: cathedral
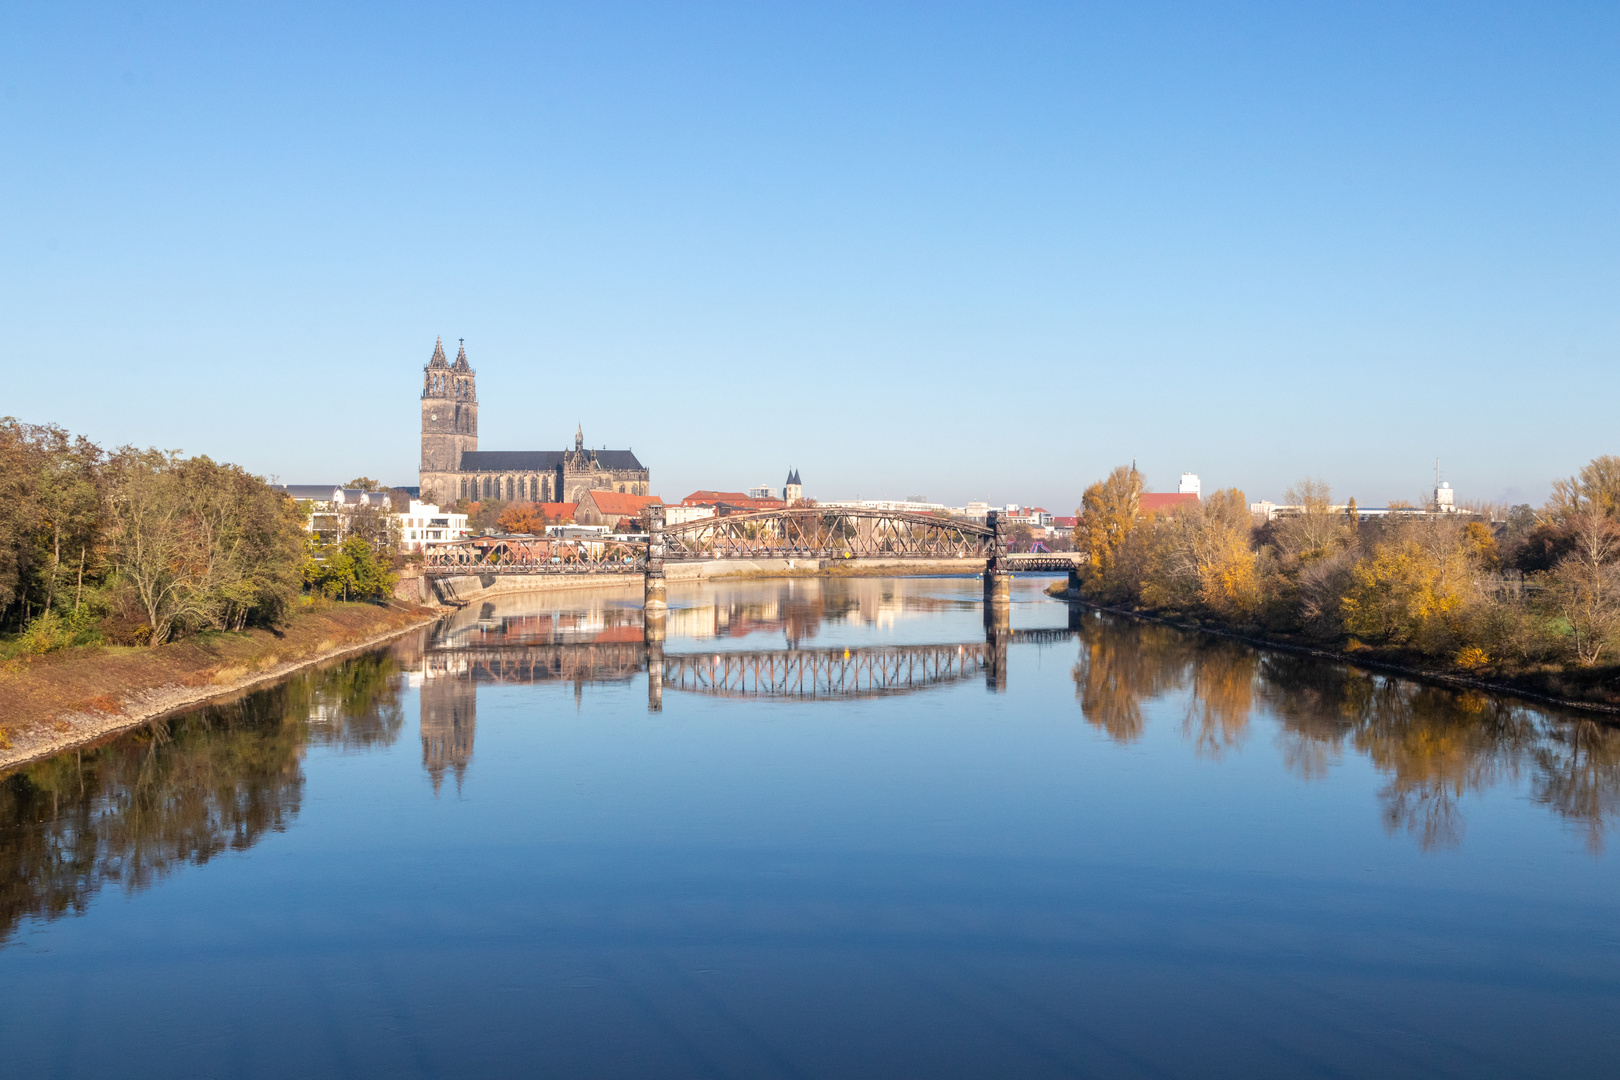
(454, 468)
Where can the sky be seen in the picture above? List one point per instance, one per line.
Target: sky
(964, 251)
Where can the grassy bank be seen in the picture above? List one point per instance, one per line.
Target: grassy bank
(67, 697)
(1593, 689)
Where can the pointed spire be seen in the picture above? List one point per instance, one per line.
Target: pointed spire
(579, 437)
(438, 354)
(461, 357)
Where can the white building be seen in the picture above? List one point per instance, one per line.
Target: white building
(680, 515)
(1190, 485)
(332, 507)
(894, 505)
(424, 523)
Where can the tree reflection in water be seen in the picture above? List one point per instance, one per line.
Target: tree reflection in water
(1433, 745)
(1121, 664)
(181, 790)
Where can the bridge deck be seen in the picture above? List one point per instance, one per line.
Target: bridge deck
(839, 534)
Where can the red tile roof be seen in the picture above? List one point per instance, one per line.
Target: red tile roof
(559, 512)
(710, 498)
(730, 498)
(1165, 502)
(610, 503)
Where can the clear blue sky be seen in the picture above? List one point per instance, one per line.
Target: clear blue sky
(964, 251)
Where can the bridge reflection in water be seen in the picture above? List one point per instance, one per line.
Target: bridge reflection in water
(808, 674)
(607, 643)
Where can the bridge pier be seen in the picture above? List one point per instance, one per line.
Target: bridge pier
(995, 667)
(997, 578)
(997, 587)
(654, 602)
(1074, 582)
(655, 674)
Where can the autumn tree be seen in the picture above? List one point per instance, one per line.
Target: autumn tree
(197, 544)
(1201, 558)
(1108, 512)
(1584, 588)
(1594, 492)
(484, 514)
(52, 519)
(1412, 584)
(1316, 530)
(523, 517)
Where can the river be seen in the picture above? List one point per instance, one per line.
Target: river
(842, 835)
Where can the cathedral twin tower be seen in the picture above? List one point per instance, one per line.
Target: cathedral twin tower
(453, 467)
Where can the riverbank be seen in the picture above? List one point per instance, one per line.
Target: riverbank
(1589, 690)
(64, 699)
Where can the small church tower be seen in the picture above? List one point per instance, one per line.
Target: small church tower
(449, 421)
(792, 491)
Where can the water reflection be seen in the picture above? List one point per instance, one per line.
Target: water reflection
(183, 790)
(448, 722)
(1435, 746)
(219, 779)
(797, 611)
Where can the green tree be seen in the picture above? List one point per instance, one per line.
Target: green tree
(52, 519)
(352, 570)
(197, 544)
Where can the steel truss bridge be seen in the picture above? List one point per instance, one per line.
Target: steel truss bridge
(811, 533)
(789, 674)
(516, 555)
(824, 673)
(603, 662)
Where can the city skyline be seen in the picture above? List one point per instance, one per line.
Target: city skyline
(875, 243)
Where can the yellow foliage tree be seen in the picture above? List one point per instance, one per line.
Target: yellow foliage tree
(1403, 589)
(1108, 512)
(1202, 557)
(1228, 582)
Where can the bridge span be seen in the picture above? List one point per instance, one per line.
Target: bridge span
(812, 533)
(789, 674)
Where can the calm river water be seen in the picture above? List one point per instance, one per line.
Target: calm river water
(853, 839)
